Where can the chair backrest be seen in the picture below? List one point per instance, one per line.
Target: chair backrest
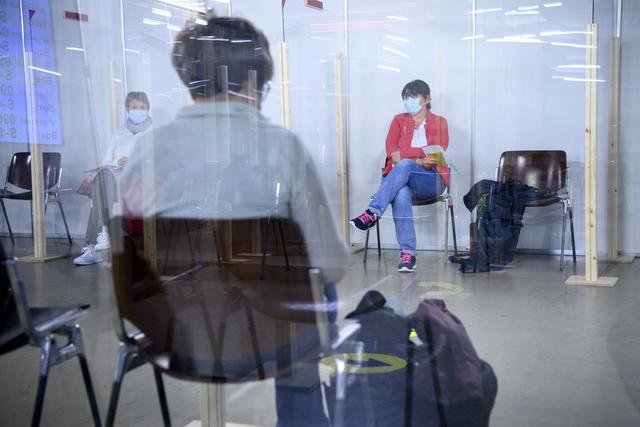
(19, 171)
(7, 303)
(539, 169)
(228, 322)
(13, 296)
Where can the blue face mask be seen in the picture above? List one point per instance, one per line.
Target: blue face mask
(412, 106)
(137, 116)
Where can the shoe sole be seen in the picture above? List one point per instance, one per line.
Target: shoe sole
(357, 229)
(88, 263)
(406, 269)
(100, 248)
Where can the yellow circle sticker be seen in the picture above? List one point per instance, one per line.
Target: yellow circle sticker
(440, 289)
(363, 363)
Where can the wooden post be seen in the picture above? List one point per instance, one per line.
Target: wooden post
(212, 405)
(614, 156)
(116, 116)
(37, 187)
(37, 181)
(285, 99)
(212, 394)
(591, 172)
(252, 83)
(343, 195)
(148, 176)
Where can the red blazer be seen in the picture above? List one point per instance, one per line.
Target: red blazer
(401, 134)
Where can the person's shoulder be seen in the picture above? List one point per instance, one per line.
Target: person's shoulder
(436, 118)
(276, 133)
(402, 117)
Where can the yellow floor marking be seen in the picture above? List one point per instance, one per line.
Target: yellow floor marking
(440, 289)
(351, 363)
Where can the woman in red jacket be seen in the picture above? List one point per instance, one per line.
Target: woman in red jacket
(410, 172)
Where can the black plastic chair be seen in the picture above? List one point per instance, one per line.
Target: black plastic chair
(19, 177)
(130, 357)
(40, 327)
(444, 198)
(544, 170)
(214, 322)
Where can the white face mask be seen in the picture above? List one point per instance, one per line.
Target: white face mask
(412, 105)
(137, 116)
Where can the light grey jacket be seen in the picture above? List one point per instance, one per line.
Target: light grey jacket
(225, 160)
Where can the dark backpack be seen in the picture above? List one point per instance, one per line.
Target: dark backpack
(442, 383)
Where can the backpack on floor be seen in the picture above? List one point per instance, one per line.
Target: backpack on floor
(392, 381)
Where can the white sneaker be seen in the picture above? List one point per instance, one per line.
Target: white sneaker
(102, 241)
(88, 257)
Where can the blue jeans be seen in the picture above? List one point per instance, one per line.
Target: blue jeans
(297, 406)
(406, 181)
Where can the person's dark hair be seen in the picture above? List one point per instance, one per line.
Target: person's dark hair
(140, 96)
(200, 49)
(415, 88)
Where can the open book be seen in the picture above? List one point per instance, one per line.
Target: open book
(435, 152)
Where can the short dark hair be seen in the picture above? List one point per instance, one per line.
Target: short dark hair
(199, 49)
(415, 88)
(140, 96)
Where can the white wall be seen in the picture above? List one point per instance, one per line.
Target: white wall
(519, 105)
(524, 102)
(314, 38)
(630, 129)
(526, 96)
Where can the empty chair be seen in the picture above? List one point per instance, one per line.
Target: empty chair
(217, 322)
(545, 170)
(43, 327)
(129, 357)
(17, 185)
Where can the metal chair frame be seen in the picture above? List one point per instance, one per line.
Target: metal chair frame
(52, 189)
(564, 198)
(130, 357)
(447, 200)
(43, 335)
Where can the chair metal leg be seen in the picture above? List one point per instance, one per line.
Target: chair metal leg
(86, 376)
(254, 343)
(366, 247)
(216, 241)
(193, 255)
(84, 367)
(446, 232)
(168, 236)
(284, 243)
(45, 360)
(573, 237)
(6, 219)
(31, 216)
(453, 229)
(564, 232)
(378, 236)
(162, 396)
(64, 220)
(265, 244)
(118, 376)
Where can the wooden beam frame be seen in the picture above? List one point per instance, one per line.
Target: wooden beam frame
(590, 169)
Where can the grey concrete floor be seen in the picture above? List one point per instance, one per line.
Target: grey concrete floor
(564, 356)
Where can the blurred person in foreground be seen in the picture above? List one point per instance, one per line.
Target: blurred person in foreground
(221, 159)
